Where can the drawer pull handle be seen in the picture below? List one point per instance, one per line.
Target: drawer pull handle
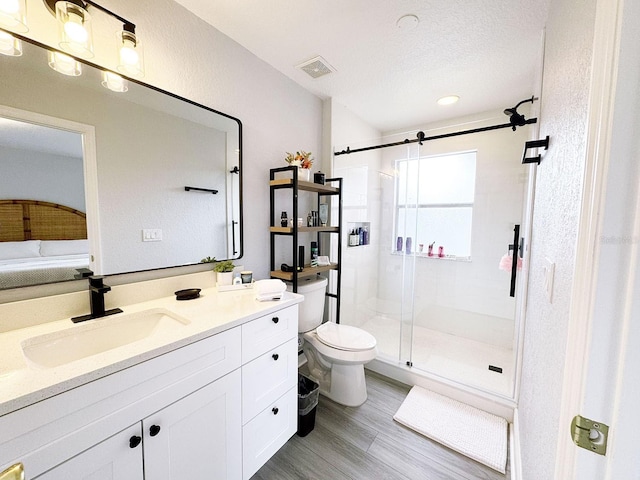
(275, 319)
(154, 430)
(275, 410)
(275, 356)
(134, 441)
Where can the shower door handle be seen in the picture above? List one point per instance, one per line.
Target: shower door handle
(514, 259)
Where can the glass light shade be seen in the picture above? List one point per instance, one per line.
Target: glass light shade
(13, 15)
(114, 82)
(10, 45)
(74, 29)
(130, 54)
(64, 64)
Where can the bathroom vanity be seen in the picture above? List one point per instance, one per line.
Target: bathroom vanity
(207, 390)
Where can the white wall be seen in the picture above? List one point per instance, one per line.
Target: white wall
(564, 109)
(362, 203)
(186, 56)
(34, 175)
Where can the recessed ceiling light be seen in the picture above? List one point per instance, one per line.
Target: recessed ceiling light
(407, 22)
(448, 100)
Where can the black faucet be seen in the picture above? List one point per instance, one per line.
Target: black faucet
(97, 289)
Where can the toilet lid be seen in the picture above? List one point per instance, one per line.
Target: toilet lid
(345, 337)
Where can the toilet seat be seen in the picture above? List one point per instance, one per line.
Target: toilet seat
(345, 337)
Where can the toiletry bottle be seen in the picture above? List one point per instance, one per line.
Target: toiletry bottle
(314, 254)
(365, 235)
(441, 251)
(408, 246)
(399, 244)
(283, 219)
(360, 236)
(353, 238)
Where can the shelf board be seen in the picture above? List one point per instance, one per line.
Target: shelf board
(307, 272)
(306, 186)
(289, 230)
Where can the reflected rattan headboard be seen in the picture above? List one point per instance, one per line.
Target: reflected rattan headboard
(35, 220)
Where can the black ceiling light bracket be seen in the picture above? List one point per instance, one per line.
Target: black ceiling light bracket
(534, 144)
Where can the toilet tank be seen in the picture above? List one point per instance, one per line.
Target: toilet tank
(311, 311)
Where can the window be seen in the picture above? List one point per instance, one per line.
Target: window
(434, 202)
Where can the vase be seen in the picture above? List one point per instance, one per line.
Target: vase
(224, 278)
(304, 174)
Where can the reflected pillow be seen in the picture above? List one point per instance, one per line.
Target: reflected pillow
(50, 248)
(26, 249)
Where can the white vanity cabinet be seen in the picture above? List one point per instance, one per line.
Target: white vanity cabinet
(195, 437)
(216, 408)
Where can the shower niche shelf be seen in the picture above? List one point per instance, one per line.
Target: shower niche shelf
(286, 178)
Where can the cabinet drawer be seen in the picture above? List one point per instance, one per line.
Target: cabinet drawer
(265, 333)
(265, 434)
(268, 377)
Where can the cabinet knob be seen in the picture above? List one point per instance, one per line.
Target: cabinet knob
(275, 356)
(154, 430)
(275, 410)
(134, 441)
(275, 319)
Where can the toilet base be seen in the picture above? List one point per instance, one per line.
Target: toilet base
(347, 385)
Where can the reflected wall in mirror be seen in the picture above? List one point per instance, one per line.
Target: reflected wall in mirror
(149, 145)
(43, 229)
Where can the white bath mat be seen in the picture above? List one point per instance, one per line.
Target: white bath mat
(478, 435)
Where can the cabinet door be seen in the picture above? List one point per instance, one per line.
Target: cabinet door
(197, 437)
(117, 458)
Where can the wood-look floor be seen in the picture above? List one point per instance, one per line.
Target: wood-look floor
(365, 443)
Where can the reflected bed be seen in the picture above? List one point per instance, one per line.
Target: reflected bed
(41, 242)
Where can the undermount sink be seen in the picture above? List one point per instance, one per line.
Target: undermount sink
(99, 335)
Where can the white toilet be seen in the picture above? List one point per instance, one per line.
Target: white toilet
(336, 354)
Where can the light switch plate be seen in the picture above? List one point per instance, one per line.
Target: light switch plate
(548, 270)
(151, 235)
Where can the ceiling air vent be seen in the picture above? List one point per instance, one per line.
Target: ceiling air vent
(316, 67)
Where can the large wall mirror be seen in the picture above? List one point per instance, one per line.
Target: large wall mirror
(94, 179)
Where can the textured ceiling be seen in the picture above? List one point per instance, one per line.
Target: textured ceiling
(485, 51)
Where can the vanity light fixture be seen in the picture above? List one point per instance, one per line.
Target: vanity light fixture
(114, 82)
(10, 45)
(448, 100)
(130, 54)
(74, 28)
(13, 15)
(76, 36)
(64, 64)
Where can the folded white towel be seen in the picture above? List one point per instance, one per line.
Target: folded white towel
(269, 289)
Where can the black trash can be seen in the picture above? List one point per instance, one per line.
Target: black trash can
(307, 404)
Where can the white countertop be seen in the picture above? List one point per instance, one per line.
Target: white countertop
(23, 383)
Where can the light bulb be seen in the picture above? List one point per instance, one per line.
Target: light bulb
(10, 45)
(128, 54)
(64, 64)
(75, 29)
(13, 15)
(114, 82)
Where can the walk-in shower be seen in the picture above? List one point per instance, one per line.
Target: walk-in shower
(429, 283)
